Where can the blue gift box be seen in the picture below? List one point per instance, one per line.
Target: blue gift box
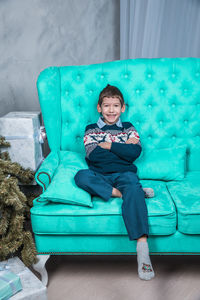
(10, 284)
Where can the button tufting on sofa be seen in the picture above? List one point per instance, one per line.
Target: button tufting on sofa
(173, 75)
(197, 74)
(149, 75)
(126, 75)
(173, 104)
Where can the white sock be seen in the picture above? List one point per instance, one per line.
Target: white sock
(145, 269)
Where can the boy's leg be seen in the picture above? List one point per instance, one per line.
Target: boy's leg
(134, 209)
(135, 215)
(94, 183)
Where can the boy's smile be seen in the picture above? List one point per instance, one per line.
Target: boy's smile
(111, 109)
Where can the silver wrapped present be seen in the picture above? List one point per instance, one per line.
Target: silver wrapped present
(10, 284)
(32, 287)
(25, 135)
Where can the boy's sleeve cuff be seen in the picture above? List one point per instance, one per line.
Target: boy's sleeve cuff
(113, 146)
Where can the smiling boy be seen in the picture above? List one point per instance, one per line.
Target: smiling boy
(111, 148)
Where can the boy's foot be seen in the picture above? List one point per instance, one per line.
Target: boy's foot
(145, 269)
(149, 192)
(116, 193)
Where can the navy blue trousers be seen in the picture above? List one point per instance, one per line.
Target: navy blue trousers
(134, 209)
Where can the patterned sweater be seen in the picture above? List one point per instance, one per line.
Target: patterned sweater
(121, 156)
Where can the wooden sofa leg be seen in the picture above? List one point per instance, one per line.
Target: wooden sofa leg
(39, 266)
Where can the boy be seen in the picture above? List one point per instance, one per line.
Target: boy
(111, 147)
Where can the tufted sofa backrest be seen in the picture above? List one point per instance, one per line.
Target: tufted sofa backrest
(162, 97)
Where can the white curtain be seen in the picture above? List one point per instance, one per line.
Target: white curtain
(159, 28)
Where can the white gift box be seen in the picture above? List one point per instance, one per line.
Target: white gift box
(22, 131)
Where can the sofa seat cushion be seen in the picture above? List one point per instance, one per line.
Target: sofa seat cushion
(186, 196)
(192, 176)
(104, 217)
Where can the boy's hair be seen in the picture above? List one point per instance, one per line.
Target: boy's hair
(111, 91)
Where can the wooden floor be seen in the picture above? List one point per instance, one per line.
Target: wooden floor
(116, 278)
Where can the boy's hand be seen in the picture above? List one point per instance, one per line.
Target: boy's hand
(105, 145)
(132, 141)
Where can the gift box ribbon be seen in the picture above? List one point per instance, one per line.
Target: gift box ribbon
(12, 285)
(40, 135)
(22, 137)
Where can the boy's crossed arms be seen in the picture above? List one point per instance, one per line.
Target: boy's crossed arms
(127, 150)
(107, 145)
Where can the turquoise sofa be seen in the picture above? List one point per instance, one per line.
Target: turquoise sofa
(162, 99)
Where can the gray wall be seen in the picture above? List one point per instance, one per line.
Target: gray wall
(36, 34)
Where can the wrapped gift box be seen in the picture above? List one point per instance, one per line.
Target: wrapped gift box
(10, 284)
(22, 131)
(32, 287)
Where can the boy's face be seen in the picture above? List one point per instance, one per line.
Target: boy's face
(111, 109)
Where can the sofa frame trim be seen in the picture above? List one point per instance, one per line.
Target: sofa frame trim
(41, 181)
(116, 253)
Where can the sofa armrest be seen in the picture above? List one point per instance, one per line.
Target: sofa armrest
(47, 169)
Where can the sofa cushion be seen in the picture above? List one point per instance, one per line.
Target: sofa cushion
(186, 196)
(104, 217)
(193, 158)
(162, 164)
(73, 159)
(192, 176)
(63, 188)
